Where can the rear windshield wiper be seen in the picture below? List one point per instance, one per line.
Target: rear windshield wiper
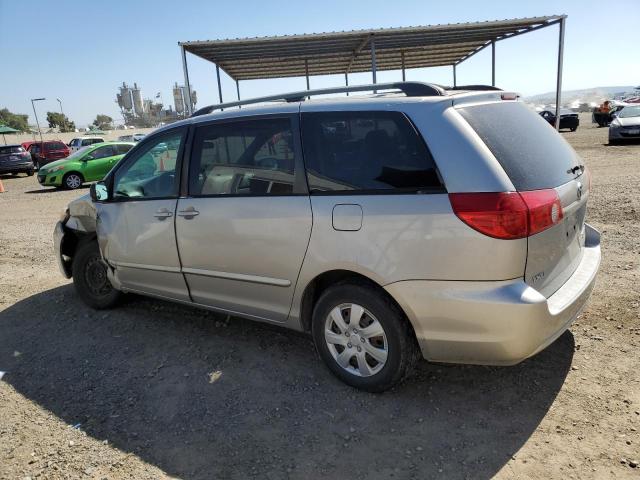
(576, 168)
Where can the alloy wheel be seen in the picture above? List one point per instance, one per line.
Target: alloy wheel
(73, 181)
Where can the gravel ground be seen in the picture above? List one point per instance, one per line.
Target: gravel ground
(155, 390)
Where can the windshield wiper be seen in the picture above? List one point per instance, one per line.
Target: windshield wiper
(576, 168)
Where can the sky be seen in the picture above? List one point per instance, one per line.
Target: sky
(81, 51)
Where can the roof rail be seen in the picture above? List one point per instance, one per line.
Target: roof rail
(410, 89)
(474, 87)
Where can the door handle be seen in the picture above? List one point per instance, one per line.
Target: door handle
(162, 214)
(188, 213)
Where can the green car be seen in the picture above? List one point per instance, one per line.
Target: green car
(88, 164)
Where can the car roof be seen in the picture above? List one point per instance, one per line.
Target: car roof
(356, 102)
(12, 145)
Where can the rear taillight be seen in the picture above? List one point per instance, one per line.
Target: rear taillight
(508, 215)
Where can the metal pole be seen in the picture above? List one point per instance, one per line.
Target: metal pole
(454, 76)
(404, 78)
(238, 91)
(219, 85)
(36, 115)
(306, 72)
(374, 66)
(559, 79)
(346, 81)
(493, 63)
(62, 113)
(186, 80)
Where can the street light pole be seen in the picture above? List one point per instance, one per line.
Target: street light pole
(62, 113)
(36, 115)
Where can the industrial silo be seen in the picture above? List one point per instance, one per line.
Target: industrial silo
(138, 107)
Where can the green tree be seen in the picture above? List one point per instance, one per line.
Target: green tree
(61, 121)
(103, 122)
(14, 120)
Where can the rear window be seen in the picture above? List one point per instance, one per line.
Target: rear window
(531, 152)
(55, 146)
(11, 149)
(366, 152)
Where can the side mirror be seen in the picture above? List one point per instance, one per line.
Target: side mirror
(99, 192)
(614, 114)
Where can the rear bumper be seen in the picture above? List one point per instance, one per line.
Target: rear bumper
(494, 323)
(18, 167)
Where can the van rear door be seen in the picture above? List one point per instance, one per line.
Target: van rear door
(536, 157)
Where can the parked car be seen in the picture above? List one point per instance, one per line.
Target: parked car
(48, 151)
(26, 145)
(80, 142)
(14, 159)
(568, 119)
(447, 224)
(625, 125)
(89, 164)
(134, 137)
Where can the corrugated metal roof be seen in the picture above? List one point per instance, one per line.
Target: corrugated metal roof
(349, 52)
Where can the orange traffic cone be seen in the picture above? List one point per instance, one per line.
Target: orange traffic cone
(1, 187)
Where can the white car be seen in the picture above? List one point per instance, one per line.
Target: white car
(80, 142)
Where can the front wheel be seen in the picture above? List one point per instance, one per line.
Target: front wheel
(72, 181)
(90, 278)
(30, 173)
(363, 337)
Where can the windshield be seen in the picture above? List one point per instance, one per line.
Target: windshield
(627, 112)
(77, 154)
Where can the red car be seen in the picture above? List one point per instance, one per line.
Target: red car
(47, 152)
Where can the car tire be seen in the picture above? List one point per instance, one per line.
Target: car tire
(90, 278)
(373, 361)
(614, 142)
(14, 174)
(30, 173)
(72, 181)
(573, 129)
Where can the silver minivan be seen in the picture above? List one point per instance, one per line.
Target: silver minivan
(426, 222)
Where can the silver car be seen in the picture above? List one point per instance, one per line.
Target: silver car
(424, 222)
(625, 125)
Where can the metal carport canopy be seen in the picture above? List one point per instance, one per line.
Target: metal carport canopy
(361, 50)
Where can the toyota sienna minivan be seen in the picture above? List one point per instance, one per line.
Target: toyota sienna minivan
(420, 221)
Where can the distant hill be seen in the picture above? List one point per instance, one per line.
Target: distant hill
(586, 95)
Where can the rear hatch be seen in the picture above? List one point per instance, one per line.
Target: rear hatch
(55, 150)
(12, 155)
(536, 157)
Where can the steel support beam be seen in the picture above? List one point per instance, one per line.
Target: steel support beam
(559, 79)
(238, 91)
(306, 72)
(404, 78)
(187, 85)
(346, 81)
(493, 63)
(455, 84)
(219, 84)
(374, 66)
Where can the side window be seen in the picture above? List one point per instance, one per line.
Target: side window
(122, 149)
(248, 157)
(103, 152)
(151, 171)
(366, 151)
(85, 142)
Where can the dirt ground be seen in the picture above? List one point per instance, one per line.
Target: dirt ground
(155, 390)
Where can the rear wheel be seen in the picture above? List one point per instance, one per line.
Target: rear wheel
(72, 180)
(30, 173)
(90, 278)
(363, 338)
(573, 129)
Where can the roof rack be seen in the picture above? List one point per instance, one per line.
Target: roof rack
(474, 87)
(410, 89)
